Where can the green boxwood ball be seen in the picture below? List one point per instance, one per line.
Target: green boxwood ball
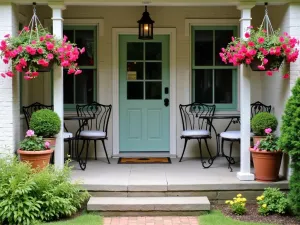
(45, 123)
(263, 120)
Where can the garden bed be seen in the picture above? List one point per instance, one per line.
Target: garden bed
(253, 216)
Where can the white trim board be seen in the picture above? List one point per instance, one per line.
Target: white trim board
(116, 32)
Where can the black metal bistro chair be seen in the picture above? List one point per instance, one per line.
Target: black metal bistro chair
(28, 110)
(235, 135)
(196, 126)
(94, 129)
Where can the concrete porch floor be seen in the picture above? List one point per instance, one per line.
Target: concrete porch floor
(187, 176)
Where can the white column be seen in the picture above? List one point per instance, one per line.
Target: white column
(58, 85)
(245, 100)
(9, 88)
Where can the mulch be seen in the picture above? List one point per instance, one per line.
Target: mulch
(253, 216)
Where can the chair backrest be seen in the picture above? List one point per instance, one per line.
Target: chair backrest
(28, 110)
(258, 107)
(97, 110)
(193, 116)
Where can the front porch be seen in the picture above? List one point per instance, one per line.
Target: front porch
(187, 178)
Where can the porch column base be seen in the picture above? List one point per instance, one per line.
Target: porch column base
(245, 176)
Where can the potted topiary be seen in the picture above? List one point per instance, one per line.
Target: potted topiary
(46, 123)
(260, 122)
(35, 150)
(267, 157)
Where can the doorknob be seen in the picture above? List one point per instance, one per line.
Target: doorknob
(166, 101)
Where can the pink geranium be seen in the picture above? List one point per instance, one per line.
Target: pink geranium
(47, 145)
(268, 130)
(29, 133)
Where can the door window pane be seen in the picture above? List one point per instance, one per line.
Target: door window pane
(222, 38)
(203, 85)
(135, 51)
(135, 71)
(203, 52)
(85, 38)
(153, 90)
(153, 71)
(70, 35)
(84, 87)
(153, 51)
(223, 86)
(135, 90)
(68, 88)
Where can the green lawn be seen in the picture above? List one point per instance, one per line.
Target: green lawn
(85, 219)
(216, 218)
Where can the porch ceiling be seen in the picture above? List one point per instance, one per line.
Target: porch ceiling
(152, 2)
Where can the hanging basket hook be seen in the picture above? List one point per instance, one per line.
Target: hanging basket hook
(266, 23)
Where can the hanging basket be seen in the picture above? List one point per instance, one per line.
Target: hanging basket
(42, 69)
(272, 60)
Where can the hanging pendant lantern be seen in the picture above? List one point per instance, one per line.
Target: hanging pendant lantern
(146, 26)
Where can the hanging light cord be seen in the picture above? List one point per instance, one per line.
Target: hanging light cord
(266, 23)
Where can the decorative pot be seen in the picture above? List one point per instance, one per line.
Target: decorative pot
(258, 138)
(37, 159)
(271, 59)
(52, 142)
(266, 164)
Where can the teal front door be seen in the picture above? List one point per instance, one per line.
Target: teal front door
(144, 94)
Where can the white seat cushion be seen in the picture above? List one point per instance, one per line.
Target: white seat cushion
(68, 135)
(195, 133)
(92, 133)
(233, 134)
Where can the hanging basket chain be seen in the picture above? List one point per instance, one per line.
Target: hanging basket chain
(266, 23)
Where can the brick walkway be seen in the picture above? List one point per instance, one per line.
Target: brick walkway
(158, 220)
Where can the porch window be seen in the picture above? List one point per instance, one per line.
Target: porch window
(81, 89)
(213, 82)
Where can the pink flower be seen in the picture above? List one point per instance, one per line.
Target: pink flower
(9, 73)
(256, 145)
(285, 34)
(23, 62)
(265, 61)
(26, 28)
(33, 42)
(251, 44)
(281, 39)
(78, 72)
(47, 145)
(82, 50)
(71, 70)
(40, 51)
(269, 73)
(65, 38)
(35, 74)
(247, 35)
(285, 76)
(6, 35)
(248, 61)
(42, 38)
(49, 46)
(5, 60)
(50, 56)
(260, 40)
(49, 36)
(28, 77)
(43, 62)
(261, 67)
(29, 133)
(3, 75)
(232, 39)
(268, 130)
(65, 63)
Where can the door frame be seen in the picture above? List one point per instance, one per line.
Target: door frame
(116, 32)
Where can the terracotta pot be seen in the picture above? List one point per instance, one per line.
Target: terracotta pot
(52, 142)
(37, 159)
(271, 58)
(266, 164)
(258, 138)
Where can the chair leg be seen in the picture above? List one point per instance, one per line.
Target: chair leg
(211, 159)
(185, 142)
(82, 164)
(95, 146)
(105, 151)
(222, 147)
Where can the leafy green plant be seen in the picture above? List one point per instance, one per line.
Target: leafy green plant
(289, 142)
(272, 201)
(263, 120)
(33, 142)
(237, 205)
(27, 197)
(45, 123)
(270, 143)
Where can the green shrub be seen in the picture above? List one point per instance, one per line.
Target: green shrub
(45, 123)
(272, 201)
(263, 120)
(27, 197)
(289, 142)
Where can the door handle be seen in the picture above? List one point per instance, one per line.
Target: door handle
(166, 102)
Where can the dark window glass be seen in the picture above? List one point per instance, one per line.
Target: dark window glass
(135, 90)
(203, 85)
(135, 71)
(85, 38)
(203, 51)
(153, 71)
(135, 51)
(153, 51)
(85, 86)
(68, 88)
(153, 90)
(223, 86)
(222, 38)
(70, 35)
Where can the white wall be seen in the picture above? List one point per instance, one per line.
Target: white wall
(127, 17)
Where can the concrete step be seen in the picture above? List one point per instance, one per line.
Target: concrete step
(116, 205)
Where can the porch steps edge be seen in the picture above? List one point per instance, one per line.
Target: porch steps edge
(148, 204)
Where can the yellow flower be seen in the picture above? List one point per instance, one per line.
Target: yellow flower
(258, 198)
(264, 205)
(227, 201)
(244, 199)
(243, 204)
(231, 202)
(239, 195)
(262, 197)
